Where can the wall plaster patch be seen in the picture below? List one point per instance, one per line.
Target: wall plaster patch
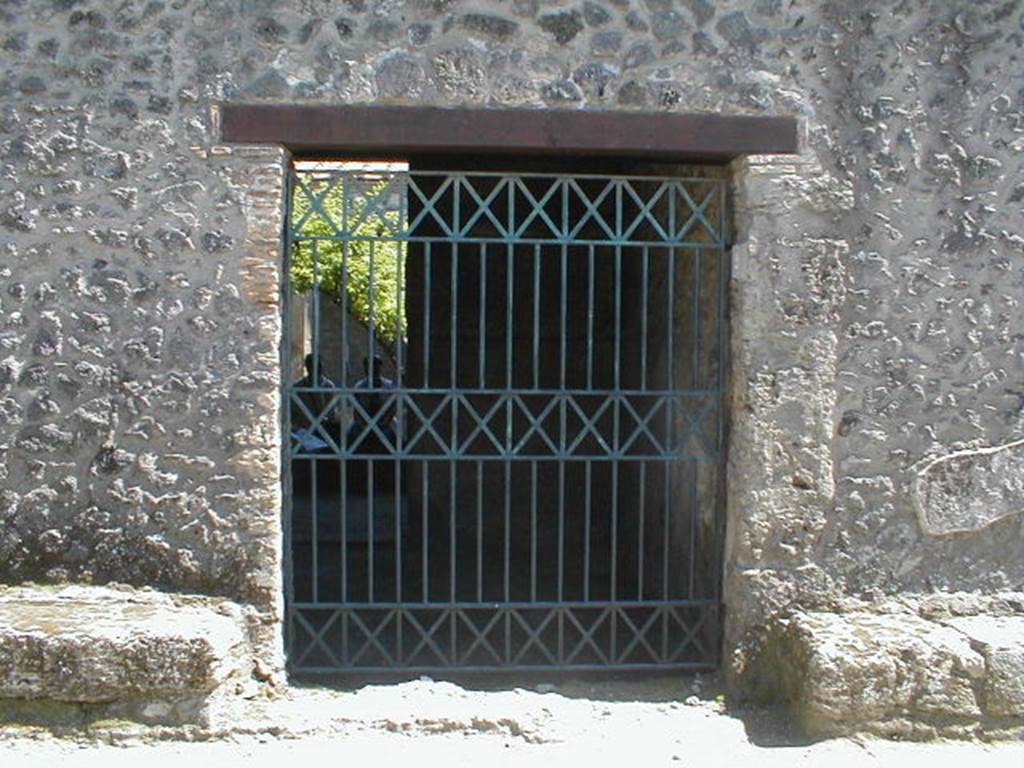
(967, 491)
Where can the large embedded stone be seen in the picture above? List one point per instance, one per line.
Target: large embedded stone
(97, 645)
(1000, 640)
(969, 490)
(889, 673)
(563, 26)
(488, 25)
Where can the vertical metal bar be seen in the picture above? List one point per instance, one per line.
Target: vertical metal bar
(590, 316)
(509, 291)
(369, 530)
(562, 335)
(508, 525)
(479, 531)
(371, 327)
(615, 547)
(643, 321)
(343, 464)
(694, 517)
(427, 300)
(509, 425)
(561, 409)
(562, 440)
(401, 249)
(616, 419)
(666, 531)
(669, 422)
(425, 525)
(314, 512)
(314, 530)
(536, 316)
(697, 382)
(618, 334)
(640, 532)
(619, 224)
(666, 466)
(533, 531)
(398, 529)
(346, 250)
(343, 503)
(346, 197)
(401, 243)
(561, 530)
(483, 315)
(315, 339)
(451, 528)
(453, 447)
(722, 330)
(671, 314)
(696, 318)
(586, 530)
(452, 360)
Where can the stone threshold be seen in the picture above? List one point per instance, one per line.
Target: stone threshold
(949, 666)
(75, 655)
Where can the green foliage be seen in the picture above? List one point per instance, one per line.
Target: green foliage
(346, 264)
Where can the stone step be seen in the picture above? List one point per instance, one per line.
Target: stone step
(898, 674)
(118, 652)
(1000, 641)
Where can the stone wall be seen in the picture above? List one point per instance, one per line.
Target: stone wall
(877, 356)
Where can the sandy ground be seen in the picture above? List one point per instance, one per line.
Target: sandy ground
(426, 723)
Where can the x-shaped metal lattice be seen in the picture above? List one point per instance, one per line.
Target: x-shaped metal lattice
(426, 636)
(587, 636)
(480, 636)
(403, 628)
(537, 199)
(646, 412)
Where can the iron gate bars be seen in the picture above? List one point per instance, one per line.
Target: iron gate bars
(505, 419)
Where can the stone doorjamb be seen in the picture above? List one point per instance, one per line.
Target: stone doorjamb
(787, 287)
(259, 174)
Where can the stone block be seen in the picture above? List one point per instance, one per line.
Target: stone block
(893, 674)
(138, 654)
(966, 491)
(1000, 640)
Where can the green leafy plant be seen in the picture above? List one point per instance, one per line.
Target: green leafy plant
(358, 244)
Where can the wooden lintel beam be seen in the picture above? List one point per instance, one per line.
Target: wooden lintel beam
(411, 131)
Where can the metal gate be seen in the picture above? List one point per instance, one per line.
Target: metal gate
(505, 419)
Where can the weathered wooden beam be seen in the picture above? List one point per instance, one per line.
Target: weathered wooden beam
(411, 131)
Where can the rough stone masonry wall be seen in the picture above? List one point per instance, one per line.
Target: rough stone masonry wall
(878, 402)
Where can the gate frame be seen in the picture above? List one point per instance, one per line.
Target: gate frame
(695, 614)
